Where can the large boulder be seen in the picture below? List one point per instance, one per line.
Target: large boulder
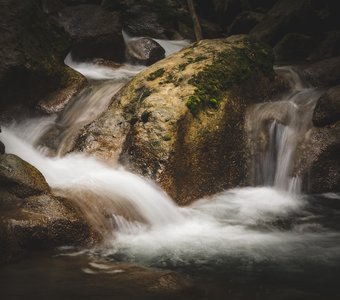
(245, 22)
(95, 32)
(286, 16)
(327, 110)
(32, 50)
(144, 51)
(180, 122)
(294, 47)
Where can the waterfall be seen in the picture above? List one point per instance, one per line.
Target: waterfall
(140, 222)
(276, 128)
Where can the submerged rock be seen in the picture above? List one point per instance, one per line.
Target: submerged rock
(327, 110)
(144, 51)
(180, 122)
(32, 51)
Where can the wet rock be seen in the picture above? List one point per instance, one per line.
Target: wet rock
(52, 6)
(329, 46)
(323, 73)
(95, 32)
(327, 110)
(41, 222)
(177, 121)
(139, 21)
(2, 148)
(288, 16)
(245, 22)
(144, 51)
(21, 178)
(9, 201)
(32, 51)
(294, 47)
(58, 100)
(318, 160)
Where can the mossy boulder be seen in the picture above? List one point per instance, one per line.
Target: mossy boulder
(32, 50)
(180, 122)
(327, 110)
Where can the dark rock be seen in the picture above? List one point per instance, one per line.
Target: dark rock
(9, 201)
(144, 51)
(328, 46)
(210, 30)
(323, 73)
(21, 178)
(32, 50)
(42, 222)
(2, 148)
(294, 47)
(95, 32)
(58, 100)
(318, 163)
(245, 21)
(288, 16)
(139, 21)
(52, 6)
(327, 110)
(78, 2)
(113, 4)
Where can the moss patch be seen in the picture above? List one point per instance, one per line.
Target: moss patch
(228, 68)
(154, 75)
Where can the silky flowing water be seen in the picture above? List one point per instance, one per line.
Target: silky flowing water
(263, 242)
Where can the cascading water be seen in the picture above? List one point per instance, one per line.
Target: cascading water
(141, 223)
(276, 129)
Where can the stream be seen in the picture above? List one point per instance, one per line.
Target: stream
(266, 241)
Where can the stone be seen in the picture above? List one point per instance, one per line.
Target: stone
(294, 47)
(323, 73)
(318, 160)
(144, 51)
(41, 222)
(177, 121)
(95, 32)
(2, 148)
(328, 46)
(327, 110)
(32, 49)
(21, 178)
(245, 22)
(288, 16)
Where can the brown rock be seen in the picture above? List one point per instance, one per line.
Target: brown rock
(21, 178)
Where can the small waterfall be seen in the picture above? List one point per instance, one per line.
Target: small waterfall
(276, 128)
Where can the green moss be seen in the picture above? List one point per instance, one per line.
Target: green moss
(154, 75)
(228, 68)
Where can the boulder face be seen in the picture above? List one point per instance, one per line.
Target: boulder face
(144, 51)
(323, 73)
(318, 160)
(94, 31)
(327, 110)
(31, 216)
(180, 122)
(32, 49)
